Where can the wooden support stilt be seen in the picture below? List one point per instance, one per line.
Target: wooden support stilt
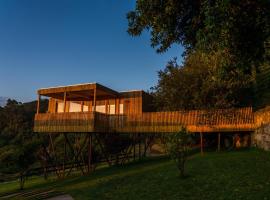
(103, 151)
(76, 154)
(54, 156)
(139, 146)
(65, 157)
(89, 152)
(201, 136)
(145, 145)
(134, 148)
(218, 142)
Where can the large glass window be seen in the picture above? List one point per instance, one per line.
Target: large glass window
(74, 107)
(121, 108)
(100, 108)
(60, 107)
(112, 109)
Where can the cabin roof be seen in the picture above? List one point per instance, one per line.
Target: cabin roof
(84, 91)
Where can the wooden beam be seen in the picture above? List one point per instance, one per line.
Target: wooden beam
(201, 136)
(38, 104)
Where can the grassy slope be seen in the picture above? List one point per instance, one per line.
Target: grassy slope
(233, 175)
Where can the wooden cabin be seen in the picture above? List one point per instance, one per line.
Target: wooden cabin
(95, 97)
(93, 107)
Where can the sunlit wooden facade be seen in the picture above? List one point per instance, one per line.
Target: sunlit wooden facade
(96, 108)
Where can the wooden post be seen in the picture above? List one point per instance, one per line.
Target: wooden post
(106, 106)
(201, 136)
(145, 145)
(114, 105)
(65, 98)
(94, 102)
(38, 103)
(134, 148)
(89, 152)
(218, 141)
(65, 157)
(81, 106)
(139, 146)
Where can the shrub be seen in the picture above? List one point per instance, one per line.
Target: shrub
(178, 146)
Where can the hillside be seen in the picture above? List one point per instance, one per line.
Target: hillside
(227, 175)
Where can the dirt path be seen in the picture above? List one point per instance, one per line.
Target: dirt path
(62, 197)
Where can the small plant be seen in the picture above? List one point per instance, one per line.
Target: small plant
(178, 148)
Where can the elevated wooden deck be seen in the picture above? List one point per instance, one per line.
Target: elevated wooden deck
(228, 120)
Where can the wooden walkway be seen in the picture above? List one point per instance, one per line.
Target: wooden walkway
(221, 120)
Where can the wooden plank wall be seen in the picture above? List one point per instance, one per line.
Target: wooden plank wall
(195, 121)
(148, 122)
(262, 116)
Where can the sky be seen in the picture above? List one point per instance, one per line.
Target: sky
(45, 43)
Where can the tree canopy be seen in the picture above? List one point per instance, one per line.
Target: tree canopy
(226, 44)
(241, 27)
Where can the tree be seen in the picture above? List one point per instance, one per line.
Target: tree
(239, 27)
(202, 82)
(19, 159)
(18, 143)
(178, 148)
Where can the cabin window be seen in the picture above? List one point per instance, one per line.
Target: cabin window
(112, 109)
(85, 108)
(121, 108)
(60, 107)
(100, 108)
(74, 107)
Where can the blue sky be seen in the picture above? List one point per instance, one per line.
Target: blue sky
(47, 43)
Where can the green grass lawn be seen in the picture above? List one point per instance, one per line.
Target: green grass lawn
(227, 175)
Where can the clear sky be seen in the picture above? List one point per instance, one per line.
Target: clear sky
(47, 43)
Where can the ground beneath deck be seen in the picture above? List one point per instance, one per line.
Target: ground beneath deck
(225, 175)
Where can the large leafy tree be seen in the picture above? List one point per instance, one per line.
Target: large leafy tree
(226, 45)
(239, 27)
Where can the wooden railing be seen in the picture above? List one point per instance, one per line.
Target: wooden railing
(153, 122)
(195, 121)
(64, 122)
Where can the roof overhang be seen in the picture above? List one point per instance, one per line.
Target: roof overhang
(79, 92)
